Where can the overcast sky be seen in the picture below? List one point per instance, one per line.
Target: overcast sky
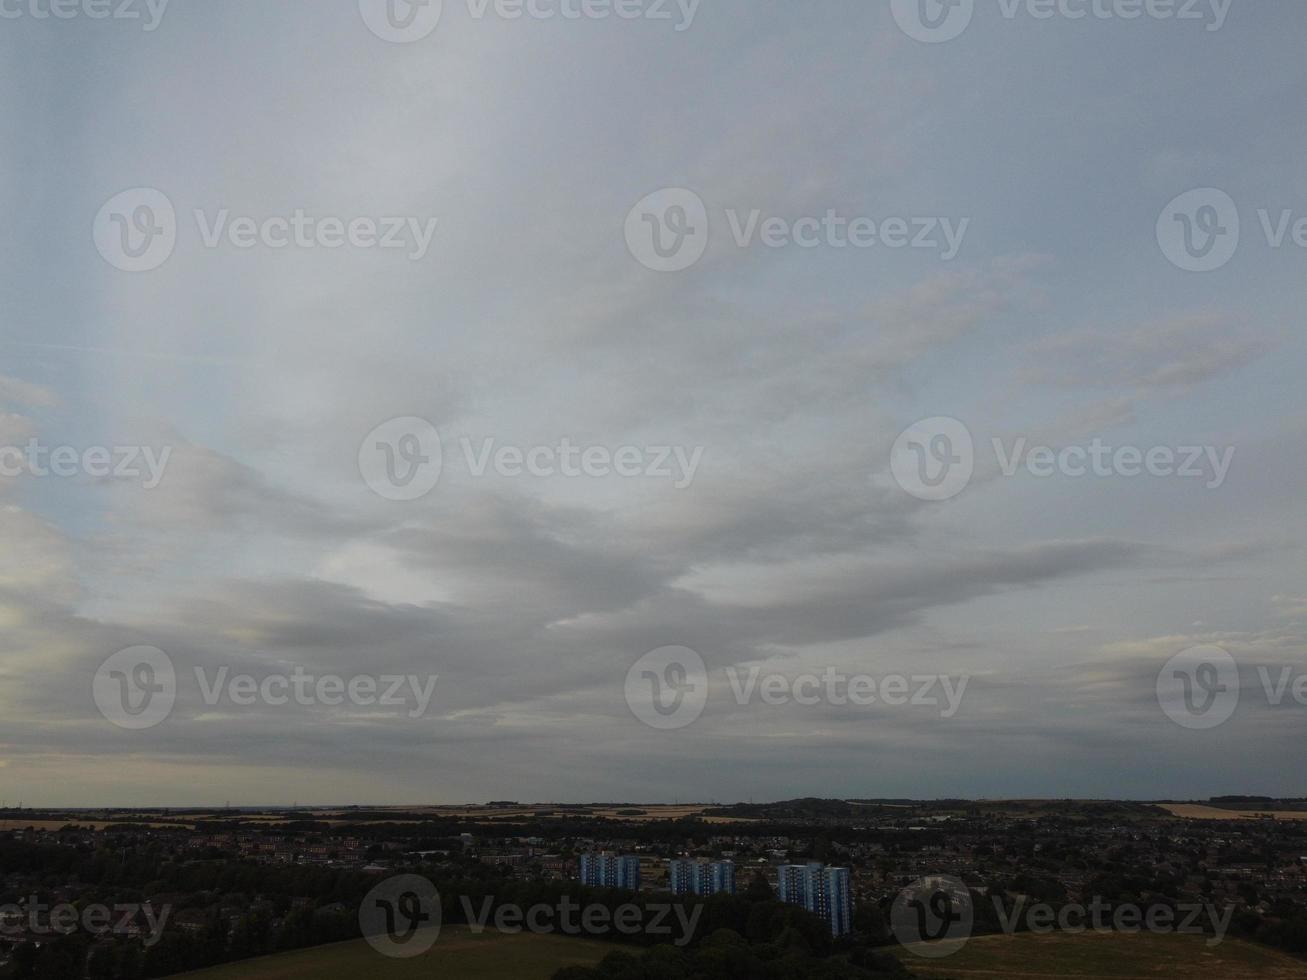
(779, 373)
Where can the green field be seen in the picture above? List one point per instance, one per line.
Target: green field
(1093, 956)
(456, 954)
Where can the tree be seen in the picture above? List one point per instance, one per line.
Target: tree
(758, 890)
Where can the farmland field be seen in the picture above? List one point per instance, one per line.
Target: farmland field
(1196, 811)
(1112, 956)
(457, 953)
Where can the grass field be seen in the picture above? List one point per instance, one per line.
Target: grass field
(456, 954)
(1196, 811)
(1093, 956)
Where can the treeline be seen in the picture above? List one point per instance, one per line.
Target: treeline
(274, 917)
(1284, 929)
(76, 956)
(1283, 926)
(128, 873)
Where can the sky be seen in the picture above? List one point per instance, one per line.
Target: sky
(628, 389)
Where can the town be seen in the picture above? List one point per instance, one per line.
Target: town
(115, 893)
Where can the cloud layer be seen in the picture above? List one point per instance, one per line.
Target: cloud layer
(530, 321)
